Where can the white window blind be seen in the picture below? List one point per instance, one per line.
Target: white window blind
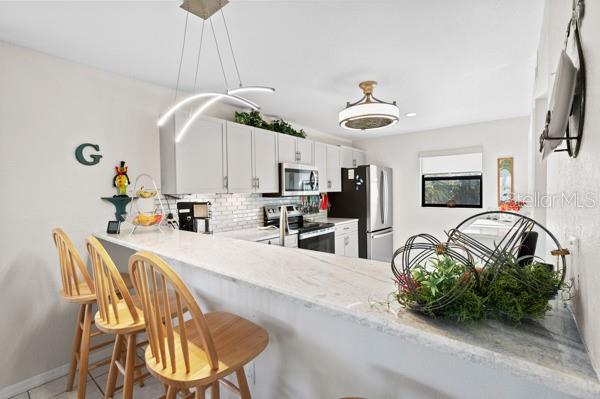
(452, 164)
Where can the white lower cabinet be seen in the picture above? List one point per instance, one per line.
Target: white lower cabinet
(346, 239)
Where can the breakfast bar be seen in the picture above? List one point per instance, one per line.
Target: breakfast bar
(334, 331)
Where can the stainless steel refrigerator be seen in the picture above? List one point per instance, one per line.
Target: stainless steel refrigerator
(367, 195)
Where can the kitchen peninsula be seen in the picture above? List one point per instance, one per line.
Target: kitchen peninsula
(331, 336)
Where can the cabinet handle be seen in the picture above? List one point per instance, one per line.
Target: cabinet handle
(225, 182)
(354, 162)
(258, 182)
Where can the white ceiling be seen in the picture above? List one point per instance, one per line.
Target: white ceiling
(451, 61)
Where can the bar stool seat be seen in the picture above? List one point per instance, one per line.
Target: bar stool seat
(126, 323)
(87, 294)
(235, 339)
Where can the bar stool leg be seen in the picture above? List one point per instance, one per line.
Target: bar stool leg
(243, 383)
(129, 367)
(76, 346)
(200, 393)
(84, 351)
(111, 382)
(214, 390)
(171, 393)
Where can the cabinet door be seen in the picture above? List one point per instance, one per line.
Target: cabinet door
(200, 158)
(321, 164)
(265, 161)
(305, 150)
(360, 158)
(334, 169)
(352, 244)
(239, 158)
(287, 148)
(347, 157)
(340, 244)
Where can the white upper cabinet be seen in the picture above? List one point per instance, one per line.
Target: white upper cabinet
(295, 150)
(351, 157)
(347, 157)
(200, 159)
(334, 168)
(321, 164)
(305, 151)
(287, 148)
(266, 171)
(217, 156)
(360, 157)
(240, 178)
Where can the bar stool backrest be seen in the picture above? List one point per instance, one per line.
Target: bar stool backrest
(76, 281)
(169, 343)
(115, 305)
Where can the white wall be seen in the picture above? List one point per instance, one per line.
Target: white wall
(48, 106)
(581, 175)
(504, 138)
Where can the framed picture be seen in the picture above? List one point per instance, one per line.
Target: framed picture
(505, 179)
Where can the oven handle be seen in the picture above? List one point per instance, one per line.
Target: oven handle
(317, 233)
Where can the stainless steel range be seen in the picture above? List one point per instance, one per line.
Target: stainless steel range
(316, 236)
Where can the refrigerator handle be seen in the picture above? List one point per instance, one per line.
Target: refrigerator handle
(381, 197)
(385, 196)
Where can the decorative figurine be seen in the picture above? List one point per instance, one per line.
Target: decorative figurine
(121, 180)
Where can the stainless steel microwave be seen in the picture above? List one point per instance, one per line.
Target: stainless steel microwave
(296, 179)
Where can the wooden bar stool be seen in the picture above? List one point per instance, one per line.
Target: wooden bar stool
(78, 287)
(117, 314)
(196, 353)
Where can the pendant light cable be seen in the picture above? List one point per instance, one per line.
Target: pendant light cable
(219, 54)
(231, 48)
(198, 59)
(187, 15)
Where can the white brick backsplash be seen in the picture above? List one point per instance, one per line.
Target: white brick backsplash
(235, 211)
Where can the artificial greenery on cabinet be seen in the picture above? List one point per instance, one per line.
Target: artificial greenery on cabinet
(253, 118)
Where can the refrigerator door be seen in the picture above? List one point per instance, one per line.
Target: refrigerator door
(379, 199)
(380, 245)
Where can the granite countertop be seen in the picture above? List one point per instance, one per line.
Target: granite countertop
(253, 234)
(549, 352)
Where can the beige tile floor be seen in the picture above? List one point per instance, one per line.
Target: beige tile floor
(96, 383)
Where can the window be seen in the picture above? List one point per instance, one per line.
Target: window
(452, 180)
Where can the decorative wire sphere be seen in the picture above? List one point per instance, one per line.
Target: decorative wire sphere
(418, 251)
(483, 246)
(510, 236)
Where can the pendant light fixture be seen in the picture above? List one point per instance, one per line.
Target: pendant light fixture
(368, 113)
(205, 9)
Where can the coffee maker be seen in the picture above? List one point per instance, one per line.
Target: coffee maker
(194, 216)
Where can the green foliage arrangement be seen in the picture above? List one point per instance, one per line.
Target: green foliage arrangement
(253, 118)
(502, 291)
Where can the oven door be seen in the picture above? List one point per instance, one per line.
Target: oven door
(318, 240)
(299, 180)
